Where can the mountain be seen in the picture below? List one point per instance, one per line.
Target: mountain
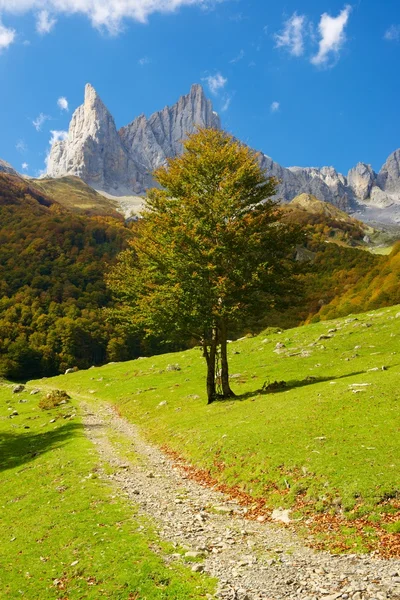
(7, 168)
(75, 195)
(378, 287)
(53, 259)
(119, 162)
(52, 288)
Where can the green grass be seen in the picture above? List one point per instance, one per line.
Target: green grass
(74, 194)
(65, 533)
(316, 442)
(381, 250)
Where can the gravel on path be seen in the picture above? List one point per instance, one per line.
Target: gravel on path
(251, 560)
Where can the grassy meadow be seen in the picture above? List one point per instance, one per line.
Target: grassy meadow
(65, 532)
(324, 442)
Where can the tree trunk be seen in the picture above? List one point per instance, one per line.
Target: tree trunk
(210, 352)
(226, 389)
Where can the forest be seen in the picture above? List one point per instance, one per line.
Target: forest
(52, 289)
(53, 293)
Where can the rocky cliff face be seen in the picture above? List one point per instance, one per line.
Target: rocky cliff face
(94, 152)
(151, 141)
(121, 162)
(5, 167)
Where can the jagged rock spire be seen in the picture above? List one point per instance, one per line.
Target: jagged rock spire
(121, 162)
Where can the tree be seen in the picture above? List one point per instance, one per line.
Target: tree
(208, 252)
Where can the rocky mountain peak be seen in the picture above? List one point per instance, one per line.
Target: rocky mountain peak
(121, 162)
(152, 140)
(91, 96)
(389, 175)
(361, 178)
(5, 167)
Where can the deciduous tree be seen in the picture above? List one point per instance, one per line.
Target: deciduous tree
(209, 250)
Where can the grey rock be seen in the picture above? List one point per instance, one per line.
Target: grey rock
(5, 167)
(361, 179)
(18, 388)
(389, 175)
(175, 367)
(194, 554)
(94, 151)
(151, 141)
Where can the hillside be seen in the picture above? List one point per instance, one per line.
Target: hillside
(314, 427)
(74, 194)
(326, 221)
(65, 532)
(379, 287)
(51, 283)
(53, 260)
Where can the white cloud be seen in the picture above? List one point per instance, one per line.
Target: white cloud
(39, 121)
(216, 82)
(226, 103)
(292, 35)
(275, 106)
(145, 60)
(62, 103)
(103, 14)
(332, 34)
(25, 166)
(393, 33)
(21, 146)
(45, 22)
(7, 36)
(57, 136)
(238, 57)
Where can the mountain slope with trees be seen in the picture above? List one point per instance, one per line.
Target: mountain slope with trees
(52, 291)
(51, 284)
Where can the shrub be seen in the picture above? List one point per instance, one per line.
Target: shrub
(53, 399)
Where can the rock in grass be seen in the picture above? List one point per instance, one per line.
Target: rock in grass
(18, 388)
(194, 554)
(198, 568)
(35, 391)
(175, 367)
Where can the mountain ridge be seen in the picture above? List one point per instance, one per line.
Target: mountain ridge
(119, 162)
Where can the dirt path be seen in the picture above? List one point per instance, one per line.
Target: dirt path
(251, 560)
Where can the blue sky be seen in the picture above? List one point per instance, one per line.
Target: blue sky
(310, 83)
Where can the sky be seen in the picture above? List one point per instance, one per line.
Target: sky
(308, 82)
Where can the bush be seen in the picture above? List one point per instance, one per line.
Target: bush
(54, 399)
